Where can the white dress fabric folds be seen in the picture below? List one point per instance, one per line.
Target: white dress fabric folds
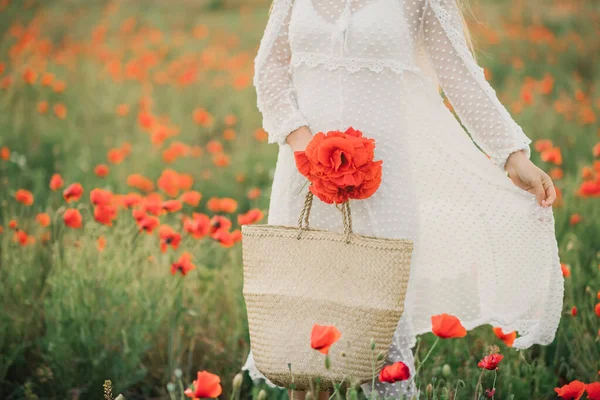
(484, 250)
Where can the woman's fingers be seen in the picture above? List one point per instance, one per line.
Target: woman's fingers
(549, 190)
(540, 192)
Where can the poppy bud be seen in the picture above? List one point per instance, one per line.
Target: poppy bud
(237, 381)
(372, 344)
(380, 356)
(429, 391)
(171, 387)
(262, 395)
(446, 370)
(177, 373)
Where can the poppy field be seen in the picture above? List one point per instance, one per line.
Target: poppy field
(131, 153)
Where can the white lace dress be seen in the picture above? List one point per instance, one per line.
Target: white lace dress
(484, 249)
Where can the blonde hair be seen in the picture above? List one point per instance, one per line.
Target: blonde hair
(462, 7)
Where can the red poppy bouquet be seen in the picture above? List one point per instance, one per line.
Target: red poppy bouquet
(340, 166)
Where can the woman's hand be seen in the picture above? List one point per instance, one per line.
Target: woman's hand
(298, 139)
(526, 175)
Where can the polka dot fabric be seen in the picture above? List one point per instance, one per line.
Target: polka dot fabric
(484, 249)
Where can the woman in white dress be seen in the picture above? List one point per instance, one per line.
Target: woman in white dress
(485, 248)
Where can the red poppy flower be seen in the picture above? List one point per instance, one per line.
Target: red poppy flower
(101, 197)
(168, 237)
(105, 214)
(508, 338)
(250, 217)
(171, 205)
(131, 199)
(397, 371)
(56, 182)
(148, 224)
(593, 391)
(24, 196)
(198, 226)
(101, 170)
(490, 361)
(224, 237)
(183, 265)
(218, 222)
(447, 326)
(22, 238)
(323, 336)
(72, 218)
(138, 215)
(573, 390)
(101, 243)
(152, 205)
(191, 197)
(206, 385)
(73, 192)
(43, 219)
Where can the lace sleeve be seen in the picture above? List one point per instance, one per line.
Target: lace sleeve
(464, 83)
(275, 93)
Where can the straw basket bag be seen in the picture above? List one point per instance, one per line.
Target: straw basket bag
(296, 277)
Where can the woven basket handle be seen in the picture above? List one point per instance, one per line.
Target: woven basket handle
(346, 217)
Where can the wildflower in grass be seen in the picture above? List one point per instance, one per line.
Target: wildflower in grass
(236, 235)
(24, 197)
(168, 237)
(148, 224)
(152, 204)
(254, 193)
(228, 205)
(491, 361)
(60, 110)
(72, 218)
(250, 217)
(202, 117)
(507, 338)
(446, 326)
(4, 153)
(573, 390)
(73, 192)
(575, 219)
(131, 199)
(552, 155)
(205, 385)
(171, 205)
(489, 393)
(566, 270)
(183, 265)
(221, 160)
(574, 311)
(13, 224)
(218, 222)
(43, 219)
(115, 156)
(191, 197)
(138, 214)
(323, 336)
(42, 107)
(101, 197)
(101, 170)
(214, 146)
(593, 390)
(168, 182)
(185, 181)
(56, 182)
(224, 237)
(101, 243)
(397, 371)
(597, 309)
(122, 110)
(21, 237)
(198, 226)
(105, 214)
(140, 182)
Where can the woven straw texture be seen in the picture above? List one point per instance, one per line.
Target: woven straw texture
(354, 282)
